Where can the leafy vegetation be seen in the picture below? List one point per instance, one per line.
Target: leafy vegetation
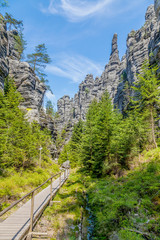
(12, 22)
(108, 141)
(71, 150)
(125, 204)
(147, 97)
(20, 44)
(128, 207)
(3, 3)
(21, 166)
(50, 109)
(15, 184)
(38, 61)
(66, 209)
(19, 140)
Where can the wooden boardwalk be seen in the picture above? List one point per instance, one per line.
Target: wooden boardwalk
(17, 225)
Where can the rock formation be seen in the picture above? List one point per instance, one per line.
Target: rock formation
(138, 49)
(118, 76)
(157, 8)
(4, 68)
(27, 83)
(71, 110)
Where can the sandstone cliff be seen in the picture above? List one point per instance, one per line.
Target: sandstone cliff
(118, 76)
(27, 83)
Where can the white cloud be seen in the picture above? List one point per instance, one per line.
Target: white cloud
(50, 96)
(76, 10)
(74, 68)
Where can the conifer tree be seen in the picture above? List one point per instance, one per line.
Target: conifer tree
(147, 97)
(19, 140)
(72, 149)
(96, 136)
(50, 109)
(89, 138)
(3, 3)
(12, 22)
(20, 43)
(39, 59)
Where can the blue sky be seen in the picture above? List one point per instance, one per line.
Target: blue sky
(77, 34)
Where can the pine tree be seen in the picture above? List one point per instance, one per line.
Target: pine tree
(96, 136)
(3, 3)
(103, 133)
(147, 97)
(12, 22)
(20, 43)
(71, 150)
(50, 109)
(19, 140)
(89, 137)
(39, 59)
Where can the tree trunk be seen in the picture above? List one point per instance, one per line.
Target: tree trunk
(35, 61)
(153, 130)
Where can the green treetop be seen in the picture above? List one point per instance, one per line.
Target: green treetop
(3, 3)
(50, 109)
(148, 95)
(12, 22)
(39, 59)
(20, 44)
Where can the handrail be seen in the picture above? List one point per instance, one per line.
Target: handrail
(18, 201)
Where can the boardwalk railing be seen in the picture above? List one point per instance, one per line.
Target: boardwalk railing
(65, 174)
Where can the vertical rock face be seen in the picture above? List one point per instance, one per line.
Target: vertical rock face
(4, 69)
(30, 87)
(118, 76)
(27, 83)
(138, 50)
(154, 46)
(137, 44)
(157, 8)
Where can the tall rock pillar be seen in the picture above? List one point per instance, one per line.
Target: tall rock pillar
(114, 58)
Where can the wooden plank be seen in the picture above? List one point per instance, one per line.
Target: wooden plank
(16, 226)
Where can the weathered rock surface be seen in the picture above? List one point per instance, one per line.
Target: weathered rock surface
(157, 8)
(71, 110)
(4, 68)
(118, 76)
(140, 45)
(30, 87)
(27, 83)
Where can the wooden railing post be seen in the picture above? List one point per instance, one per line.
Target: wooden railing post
(51, 190)
(60, 179)
(32, 214)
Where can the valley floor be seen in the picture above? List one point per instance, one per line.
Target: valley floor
(125, 208)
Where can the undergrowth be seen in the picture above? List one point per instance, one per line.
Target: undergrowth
(63, 218)
(128, 208)
(15, 184)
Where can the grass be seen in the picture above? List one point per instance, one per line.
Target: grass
(128, 207)
(15, 184)
(63, 218)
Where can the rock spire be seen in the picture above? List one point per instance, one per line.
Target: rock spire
(118, 76)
